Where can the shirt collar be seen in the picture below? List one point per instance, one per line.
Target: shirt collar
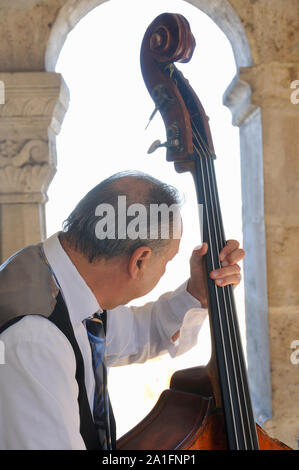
(79, 298)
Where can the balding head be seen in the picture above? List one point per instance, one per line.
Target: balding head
(104, 223)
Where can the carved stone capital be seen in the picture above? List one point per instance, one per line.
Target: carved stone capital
(237, 98)
(266, 86)
(24, 169)
(33, 95)
(30, 119)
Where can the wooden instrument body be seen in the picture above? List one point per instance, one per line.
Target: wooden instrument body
(187, 419)
(205, 408)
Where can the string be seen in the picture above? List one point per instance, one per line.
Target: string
(230, 336)
(220, 241)
(227, 290)
(229, 293)
(216, 294)
(220, 231)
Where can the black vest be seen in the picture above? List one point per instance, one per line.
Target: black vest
(27, 288)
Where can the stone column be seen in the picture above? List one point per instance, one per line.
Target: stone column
(30, 118)
(262, 105)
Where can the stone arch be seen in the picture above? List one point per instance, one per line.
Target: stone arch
(220, 11)
(247, 117)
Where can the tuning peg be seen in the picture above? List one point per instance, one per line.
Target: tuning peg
(155, 145)
(152, 116)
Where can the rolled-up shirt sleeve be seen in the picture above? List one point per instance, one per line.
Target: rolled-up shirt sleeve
(136, 334)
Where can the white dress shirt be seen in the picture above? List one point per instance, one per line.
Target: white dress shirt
(39, 393)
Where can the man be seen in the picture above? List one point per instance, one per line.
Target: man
(50, 294)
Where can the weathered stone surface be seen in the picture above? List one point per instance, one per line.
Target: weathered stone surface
(281, 164)
(271, 84)
(24, 30)
(283, 265)
(284, 329)
(271, 27)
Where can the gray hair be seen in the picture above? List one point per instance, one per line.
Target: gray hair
(79, 229)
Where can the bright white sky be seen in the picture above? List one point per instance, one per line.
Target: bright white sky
(104, 132)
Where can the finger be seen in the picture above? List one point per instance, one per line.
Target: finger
(230, 246)
(233, 279)
(233, 257)
(225, 272)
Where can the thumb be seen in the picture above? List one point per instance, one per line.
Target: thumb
(200, 250)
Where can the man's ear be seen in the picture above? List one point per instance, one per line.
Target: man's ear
(139, 261)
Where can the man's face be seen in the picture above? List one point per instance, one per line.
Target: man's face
(156, 267)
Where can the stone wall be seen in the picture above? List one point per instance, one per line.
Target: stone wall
(272, 30)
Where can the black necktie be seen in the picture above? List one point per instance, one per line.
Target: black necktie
(97, 339)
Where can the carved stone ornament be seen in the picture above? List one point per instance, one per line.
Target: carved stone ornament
(18, 154)
(24, 166)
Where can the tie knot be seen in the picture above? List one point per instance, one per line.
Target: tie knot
(95, 328)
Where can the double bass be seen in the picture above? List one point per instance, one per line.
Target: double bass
(205, 408)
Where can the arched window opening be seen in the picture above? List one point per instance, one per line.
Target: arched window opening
(104, 132)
